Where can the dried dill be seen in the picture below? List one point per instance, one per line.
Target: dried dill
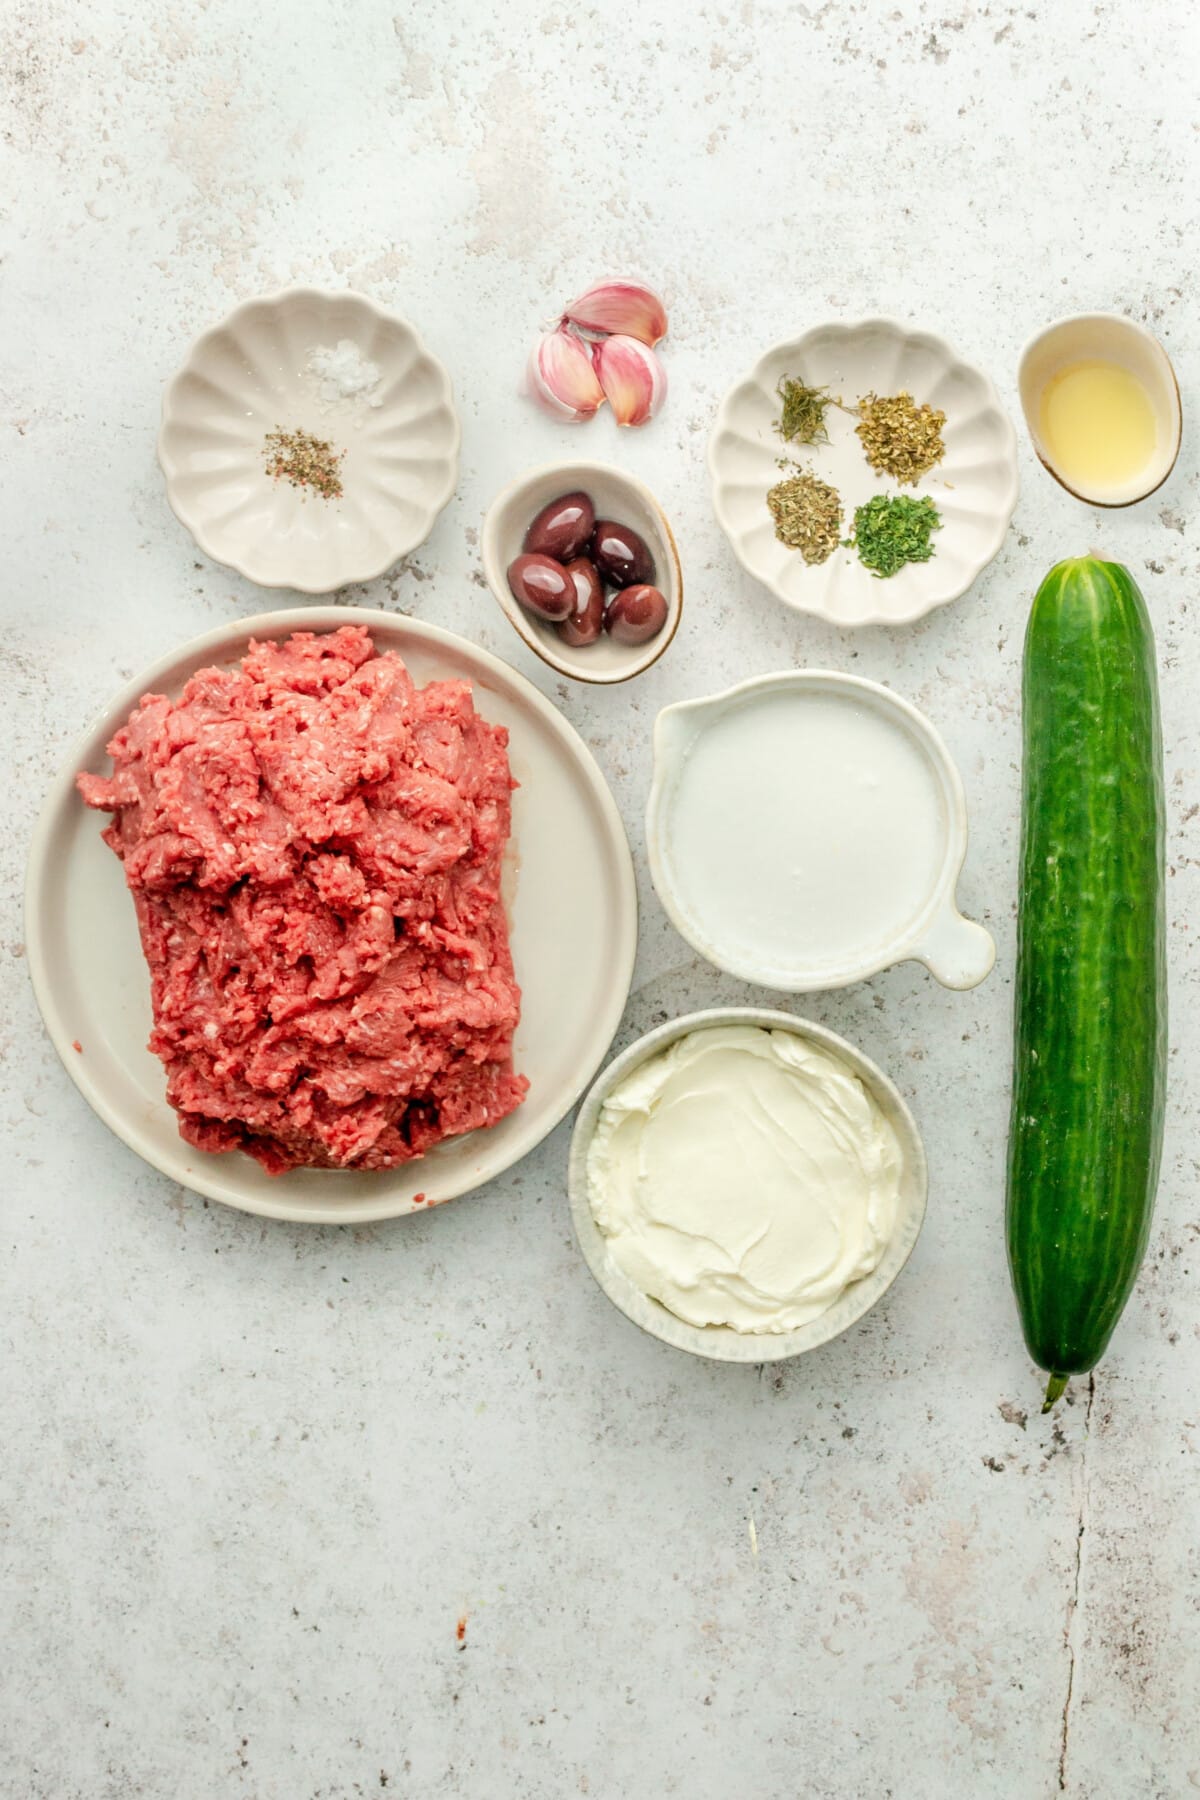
(802, 416)
(305, 461)
(807, 515)
(893, 529)
(899, 437)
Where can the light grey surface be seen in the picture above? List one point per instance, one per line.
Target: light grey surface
(253, 1476)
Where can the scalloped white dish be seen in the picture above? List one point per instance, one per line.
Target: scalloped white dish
(974, 487)
(567, 859)
(252, 374)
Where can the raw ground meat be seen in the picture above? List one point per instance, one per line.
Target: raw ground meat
(313, 846)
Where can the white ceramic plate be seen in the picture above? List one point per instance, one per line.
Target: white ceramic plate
(572, 908)
(974, 487)
(615, 495)
(721, 1342)
(840, 869)
(250, 374)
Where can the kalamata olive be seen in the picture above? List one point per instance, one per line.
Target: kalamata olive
(620, 555)
(587, 621)
(542, 586)
(562, 529)
(636, 614)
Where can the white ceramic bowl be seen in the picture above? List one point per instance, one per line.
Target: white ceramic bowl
(721, 1342)
(615, 495)
(250, 374)
(1104, 337)
(974, 487)
(807, 829)
(568, 859)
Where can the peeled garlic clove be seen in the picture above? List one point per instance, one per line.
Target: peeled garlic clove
(561, 377)
(633, 379)
(626, 308)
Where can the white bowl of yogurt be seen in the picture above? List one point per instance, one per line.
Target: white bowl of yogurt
(744, 1184)
(807, 829)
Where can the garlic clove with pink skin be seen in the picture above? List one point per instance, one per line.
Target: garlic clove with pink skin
(561, 377)
(633, 378)
(621, 308)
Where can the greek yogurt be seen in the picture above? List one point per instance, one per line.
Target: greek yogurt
(744, 1177)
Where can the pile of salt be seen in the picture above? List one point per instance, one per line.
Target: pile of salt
(343, 373)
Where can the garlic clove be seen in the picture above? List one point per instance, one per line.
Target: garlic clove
(633, 379)
(561, 377)
(626, 308)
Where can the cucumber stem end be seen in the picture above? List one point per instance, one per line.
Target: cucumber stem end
(1054, 1389)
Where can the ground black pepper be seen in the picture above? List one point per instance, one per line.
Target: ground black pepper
(304, 461)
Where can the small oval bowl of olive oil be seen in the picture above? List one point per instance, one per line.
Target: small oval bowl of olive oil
(1102, 405)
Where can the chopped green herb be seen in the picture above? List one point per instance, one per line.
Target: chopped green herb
(893, 529)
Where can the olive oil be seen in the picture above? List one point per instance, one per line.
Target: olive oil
(1098, 425)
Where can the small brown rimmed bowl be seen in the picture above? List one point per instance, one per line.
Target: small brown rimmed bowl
(614, 495)
(1104, 337)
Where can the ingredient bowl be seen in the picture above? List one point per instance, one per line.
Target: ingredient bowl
(721, 1342)
(333, 367)
(974, 486)
(807, 829)
(614, 495)
(1107, 340)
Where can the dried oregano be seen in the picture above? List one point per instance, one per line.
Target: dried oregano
(807, 515)
(899, 437)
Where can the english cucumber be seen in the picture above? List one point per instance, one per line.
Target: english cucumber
(1085, 1138)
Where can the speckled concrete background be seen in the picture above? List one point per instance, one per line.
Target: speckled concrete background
(253, 1477)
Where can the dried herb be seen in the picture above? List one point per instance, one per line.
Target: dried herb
(305, 461)
(802, 418)
(899, 437)
(807, 515)
(893, 529)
